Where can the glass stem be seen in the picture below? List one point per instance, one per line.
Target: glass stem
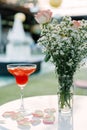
(22, 101)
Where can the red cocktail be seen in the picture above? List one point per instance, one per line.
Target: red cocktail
(21, 72)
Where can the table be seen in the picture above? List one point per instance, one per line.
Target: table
(44, 103)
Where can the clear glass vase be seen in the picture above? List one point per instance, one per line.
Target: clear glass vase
(65, 100)
(65, 108)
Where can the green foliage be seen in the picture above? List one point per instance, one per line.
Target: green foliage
(39, 85)
(45, 84)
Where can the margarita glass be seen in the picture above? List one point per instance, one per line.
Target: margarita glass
(21, 72)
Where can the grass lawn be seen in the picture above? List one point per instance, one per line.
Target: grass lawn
(45, 84)
(39, 84)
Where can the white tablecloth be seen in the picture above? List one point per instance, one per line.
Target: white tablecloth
(42, 103)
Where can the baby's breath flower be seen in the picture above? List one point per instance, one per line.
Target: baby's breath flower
(65, 44)
(65, 41)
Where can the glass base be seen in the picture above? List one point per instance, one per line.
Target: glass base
(24, 112)
(65, 110)
(65, 121)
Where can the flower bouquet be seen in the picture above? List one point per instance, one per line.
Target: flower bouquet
(65, 44)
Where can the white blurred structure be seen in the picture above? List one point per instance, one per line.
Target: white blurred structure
(18, 48)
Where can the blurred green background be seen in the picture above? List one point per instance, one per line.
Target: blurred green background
(40, 84)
